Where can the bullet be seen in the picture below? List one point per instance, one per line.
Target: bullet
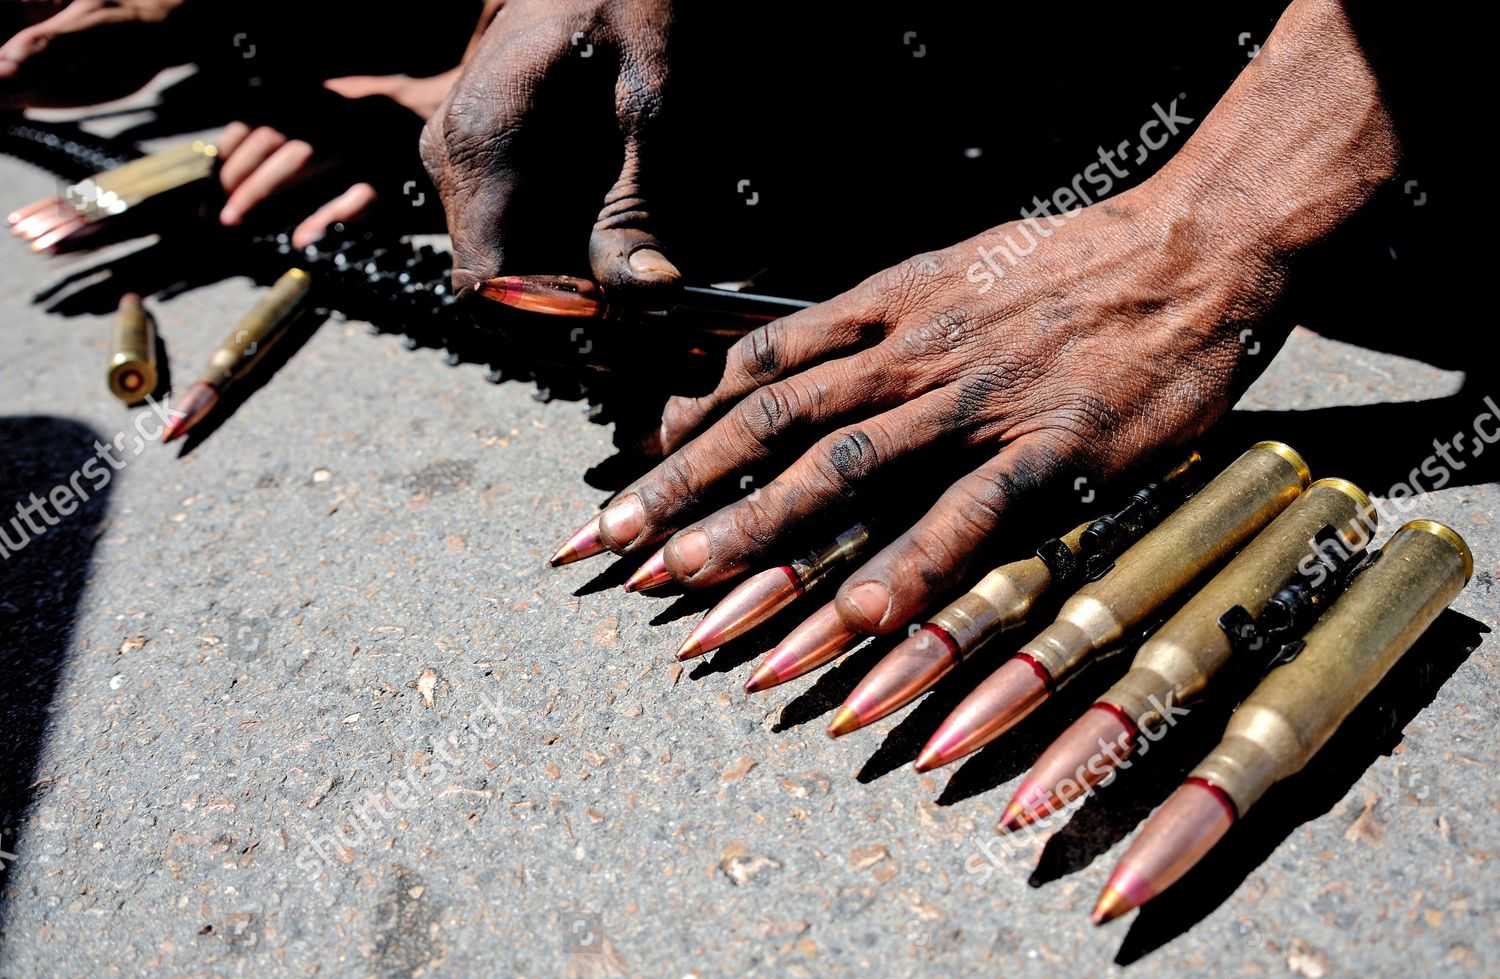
(1297, 707)
(999, 603)
(652, 574)
(1102, 615)
(820, 639)
(50, 222)
(584, 543)
(1003, 601)
(554, 295)
(1176, 665)
(132, 367)
(572, 296)
(256, 334)
(758, 598)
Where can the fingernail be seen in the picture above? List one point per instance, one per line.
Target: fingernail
(649, 261)
(623, 520)
(7, 67)
(229, 217)
(691, 551)
(872, 599)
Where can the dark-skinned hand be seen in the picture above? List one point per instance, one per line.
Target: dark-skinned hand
(1118, 335)
(532, 77)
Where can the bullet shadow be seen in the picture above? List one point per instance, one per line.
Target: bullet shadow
(1378, 446)
(40, 588)
(693, 603)
(298, 333)
(835, 683)
(1372, 731)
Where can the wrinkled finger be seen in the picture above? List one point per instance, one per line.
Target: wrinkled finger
(252, 151)
(837, 474)
(778, 349)
(344, 208)
(624, 250)
(280, 169)
(470, 145)
(918, 568)
(748, 434)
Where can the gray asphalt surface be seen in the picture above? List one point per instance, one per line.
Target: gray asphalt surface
(225, 656)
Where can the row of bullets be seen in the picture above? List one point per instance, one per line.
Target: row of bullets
(1277, 567)
(86, 205)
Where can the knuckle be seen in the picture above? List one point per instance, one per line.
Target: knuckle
(754, 524)
(758, 354)
(770, 411)
(675, 481)
(945, 332)
(849, 457)
(680, 415)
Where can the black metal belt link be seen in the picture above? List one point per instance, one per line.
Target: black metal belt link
(1293, 610)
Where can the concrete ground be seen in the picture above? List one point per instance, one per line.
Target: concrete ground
(334, 616)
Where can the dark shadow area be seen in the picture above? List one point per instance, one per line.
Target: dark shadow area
(1378, 446)
(42, 578)
(692, 603)
(613, 576)
(1374, 729)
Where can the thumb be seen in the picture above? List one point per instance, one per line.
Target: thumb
(625, 252)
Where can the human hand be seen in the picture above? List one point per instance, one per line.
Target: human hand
(540, 64)
(1048, 349)
(76, 56)
(262, 162)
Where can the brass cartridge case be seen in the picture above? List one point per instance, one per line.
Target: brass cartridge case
(259, 330)
(1180, 658)
(813, 567)
(1298, 706)
(1001, 601)
(1194, 540)
(132, 366)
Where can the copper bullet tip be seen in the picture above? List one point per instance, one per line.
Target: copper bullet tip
(844, 721)
(752, 602)
(1174, 839)
(194, 406)
(652, 574)
(904, 674)
(689, 648)
(1084, 755)
(820, 639)
(1013, 818)
(763, 678)
(1110, 906)
(998, 704)
(929, 759)
(585, 542)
